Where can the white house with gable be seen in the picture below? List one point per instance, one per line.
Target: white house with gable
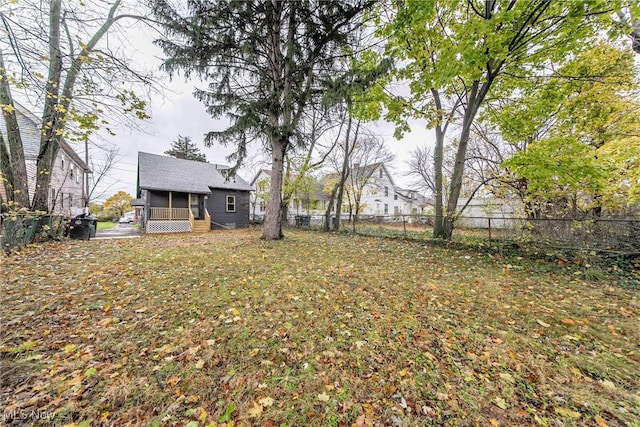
(371, 187)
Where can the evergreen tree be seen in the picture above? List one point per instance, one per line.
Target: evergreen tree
(266, 63)
(183, 148)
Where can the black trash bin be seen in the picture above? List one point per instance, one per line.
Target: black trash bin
(303, 221)
(80, 227)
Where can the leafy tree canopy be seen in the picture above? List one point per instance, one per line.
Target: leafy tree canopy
(119, 203)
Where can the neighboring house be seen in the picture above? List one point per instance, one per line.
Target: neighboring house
(178, 195)
(479, 209)
(372, 184)
(66, 192)
(307, 200)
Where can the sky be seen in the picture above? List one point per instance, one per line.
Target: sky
(179, 113)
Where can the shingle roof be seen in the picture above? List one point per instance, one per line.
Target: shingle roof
(170, 174)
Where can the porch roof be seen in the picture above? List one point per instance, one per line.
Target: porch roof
(186, 176)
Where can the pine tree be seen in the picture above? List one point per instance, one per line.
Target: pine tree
(183, 148)
(267, 63)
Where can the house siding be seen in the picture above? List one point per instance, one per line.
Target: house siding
(217, 207)
(61, 180)
(64, 185)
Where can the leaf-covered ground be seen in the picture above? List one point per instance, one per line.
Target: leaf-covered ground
(317, 329)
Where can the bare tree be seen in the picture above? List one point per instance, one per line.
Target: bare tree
(369, 155)
(100, 170)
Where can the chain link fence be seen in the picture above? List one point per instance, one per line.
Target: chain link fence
(18, 230)
(602, 237)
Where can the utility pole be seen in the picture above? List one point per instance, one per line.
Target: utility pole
(86, 176)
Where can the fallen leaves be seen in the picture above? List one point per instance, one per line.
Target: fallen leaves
(319, 329)
(543, 324)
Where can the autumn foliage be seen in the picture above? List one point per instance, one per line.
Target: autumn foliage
(319, 329)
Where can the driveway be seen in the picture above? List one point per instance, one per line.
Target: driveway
(120, 231)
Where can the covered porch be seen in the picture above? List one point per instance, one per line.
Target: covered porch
(177, 212)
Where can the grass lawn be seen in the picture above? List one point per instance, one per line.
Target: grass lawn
(315, 330)
(106, 225)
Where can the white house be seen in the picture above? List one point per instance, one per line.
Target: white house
(371, 187)
(66, 192)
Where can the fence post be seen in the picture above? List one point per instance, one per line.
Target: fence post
(489, 227)
(404, 226)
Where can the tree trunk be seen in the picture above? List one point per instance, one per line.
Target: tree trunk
(475, 98)
(48, 144)
(272, 229)
(12, 166)
(344, 173)
(438, 155)
(327, 214)
(56, 106)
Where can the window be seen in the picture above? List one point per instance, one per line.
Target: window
(70, 199)
(380, 172)
(395, 197)
(386, 209)
(71, 171)
(231, 203)
(386, 191)
(62, 162)
(61, 199)
(53, 197)
(396, 210)
(77, 178)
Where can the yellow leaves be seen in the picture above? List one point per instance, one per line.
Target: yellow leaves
(507, 377)
(7, 108)
(576, 372)
(171, 382)
(70, 348)
(500, 403)
(323, 397)
(566, 412)
(266, 402)
(600, 421)
(609, 385)
(255, 411)
(542, 323)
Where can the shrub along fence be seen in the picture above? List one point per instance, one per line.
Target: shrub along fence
(18, 230)
(609, 237)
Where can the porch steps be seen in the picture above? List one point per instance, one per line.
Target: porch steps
(200, 226)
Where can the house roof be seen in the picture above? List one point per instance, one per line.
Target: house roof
(365, 172)
(170, 174)
(30, 135)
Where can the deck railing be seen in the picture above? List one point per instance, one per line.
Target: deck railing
(168, 213)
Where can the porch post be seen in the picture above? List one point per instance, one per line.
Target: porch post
(170, 208)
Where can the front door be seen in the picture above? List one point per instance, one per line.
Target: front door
(195, 206)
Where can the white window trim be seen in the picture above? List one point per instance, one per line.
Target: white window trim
(233, 203)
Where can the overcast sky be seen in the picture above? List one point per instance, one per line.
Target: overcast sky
(179, 113)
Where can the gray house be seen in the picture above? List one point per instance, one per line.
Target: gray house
(67, 190)
(178, 195)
